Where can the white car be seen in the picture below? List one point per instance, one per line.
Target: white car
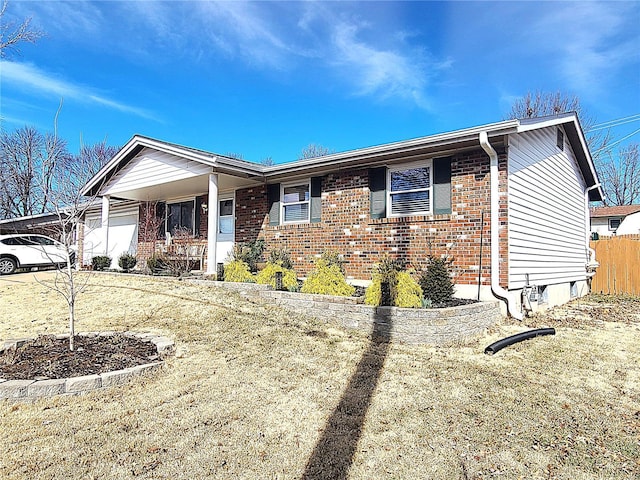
(30, 250)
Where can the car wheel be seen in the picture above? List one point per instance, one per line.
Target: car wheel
(7, 265)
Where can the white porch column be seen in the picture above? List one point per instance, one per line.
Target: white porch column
(105, 223)
(212, 224)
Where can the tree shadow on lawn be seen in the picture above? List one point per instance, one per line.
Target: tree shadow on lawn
(333, 454)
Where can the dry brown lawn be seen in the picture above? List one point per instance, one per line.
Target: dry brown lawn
(255, 392)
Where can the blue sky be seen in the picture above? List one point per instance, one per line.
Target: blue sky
(266, 79)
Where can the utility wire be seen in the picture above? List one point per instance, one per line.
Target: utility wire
(615, 123)
(608, 146)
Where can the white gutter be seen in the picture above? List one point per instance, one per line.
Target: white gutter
(497, 290)
(592, 264)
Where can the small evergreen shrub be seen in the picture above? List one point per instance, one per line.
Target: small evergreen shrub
(327, 279)
(436, 282)
(281, 256)
(238, 271)
(267, 276)
(249, 253)
(127, 261)
(100, 262)
(156, 264)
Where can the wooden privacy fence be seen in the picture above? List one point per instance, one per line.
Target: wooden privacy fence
(619, 270)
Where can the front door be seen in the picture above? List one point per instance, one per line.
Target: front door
(226, 227)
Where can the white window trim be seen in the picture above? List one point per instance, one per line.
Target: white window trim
(180, 200)
(282, 203)
(613, 229)
(409, 166)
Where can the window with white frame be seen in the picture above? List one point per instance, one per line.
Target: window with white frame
(409, 190)
(180, 216)
(225, 218)
(295, 198)
(614, 223)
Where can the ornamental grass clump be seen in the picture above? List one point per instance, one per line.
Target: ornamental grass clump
(281, 256)
(238, 271)
(437, 285)
(327, 279)
(400, 289)
(267, 276)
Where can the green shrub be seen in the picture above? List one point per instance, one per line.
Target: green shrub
(267, 276)
(100, 262)
(249, 253)
(127, 261)
(157, 263)
(327, 279)
(238, 271)
(436, 282)
(281, 256)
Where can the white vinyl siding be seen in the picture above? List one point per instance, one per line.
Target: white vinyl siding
(547, 231)
(123, 233)
(150, 168)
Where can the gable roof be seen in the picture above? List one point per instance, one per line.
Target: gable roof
(616, 211)
(440, 144)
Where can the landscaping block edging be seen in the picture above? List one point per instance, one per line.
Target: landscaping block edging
(431, 326)
(32, 389)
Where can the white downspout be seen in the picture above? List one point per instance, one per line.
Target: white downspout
(497, 290)
(592, 264)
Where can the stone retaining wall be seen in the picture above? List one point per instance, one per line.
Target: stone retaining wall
(435, 326)
(31, 389)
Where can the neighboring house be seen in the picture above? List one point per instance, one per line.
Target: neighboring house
(619, 220)
(507, 201)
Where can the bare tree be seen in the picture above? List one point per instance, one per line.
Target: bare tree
(28, 159)
(267, 161)
(70, 208)
(91, 159)
(28, 162)
(541, 104)
(313, 151)
(11, 35)
(621, 176)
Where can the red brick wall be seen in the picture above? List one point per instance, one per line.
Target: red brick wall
(347, 228)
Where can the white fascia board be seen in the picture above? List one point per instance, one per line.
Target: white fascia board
(366, 155)
(214, 161)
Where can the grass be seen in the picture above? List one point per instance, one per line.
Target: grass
(254, 392)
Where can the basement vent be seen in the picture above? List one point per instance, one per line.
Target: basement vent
(560, 139)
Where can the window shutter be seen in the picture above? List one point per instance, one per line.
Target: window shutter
(316, 199)
(378, 192)
(273, 197)
(442, 186)
(161, 213)
(196, 227)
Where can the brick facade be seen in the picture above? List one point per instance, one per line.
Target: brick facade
(347, 227)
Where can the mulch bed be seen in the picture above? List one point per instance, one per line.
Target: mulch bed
(47, 357)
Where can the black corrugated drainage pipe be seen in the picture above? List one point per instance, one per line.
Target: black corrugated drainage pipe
(505, 342)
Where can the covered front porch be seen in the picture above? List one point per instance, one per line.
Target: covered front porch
(186, 199)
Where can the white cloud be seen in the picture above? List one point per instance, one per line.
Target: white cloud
(27, 76)
(381, 72)
(591, 41)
